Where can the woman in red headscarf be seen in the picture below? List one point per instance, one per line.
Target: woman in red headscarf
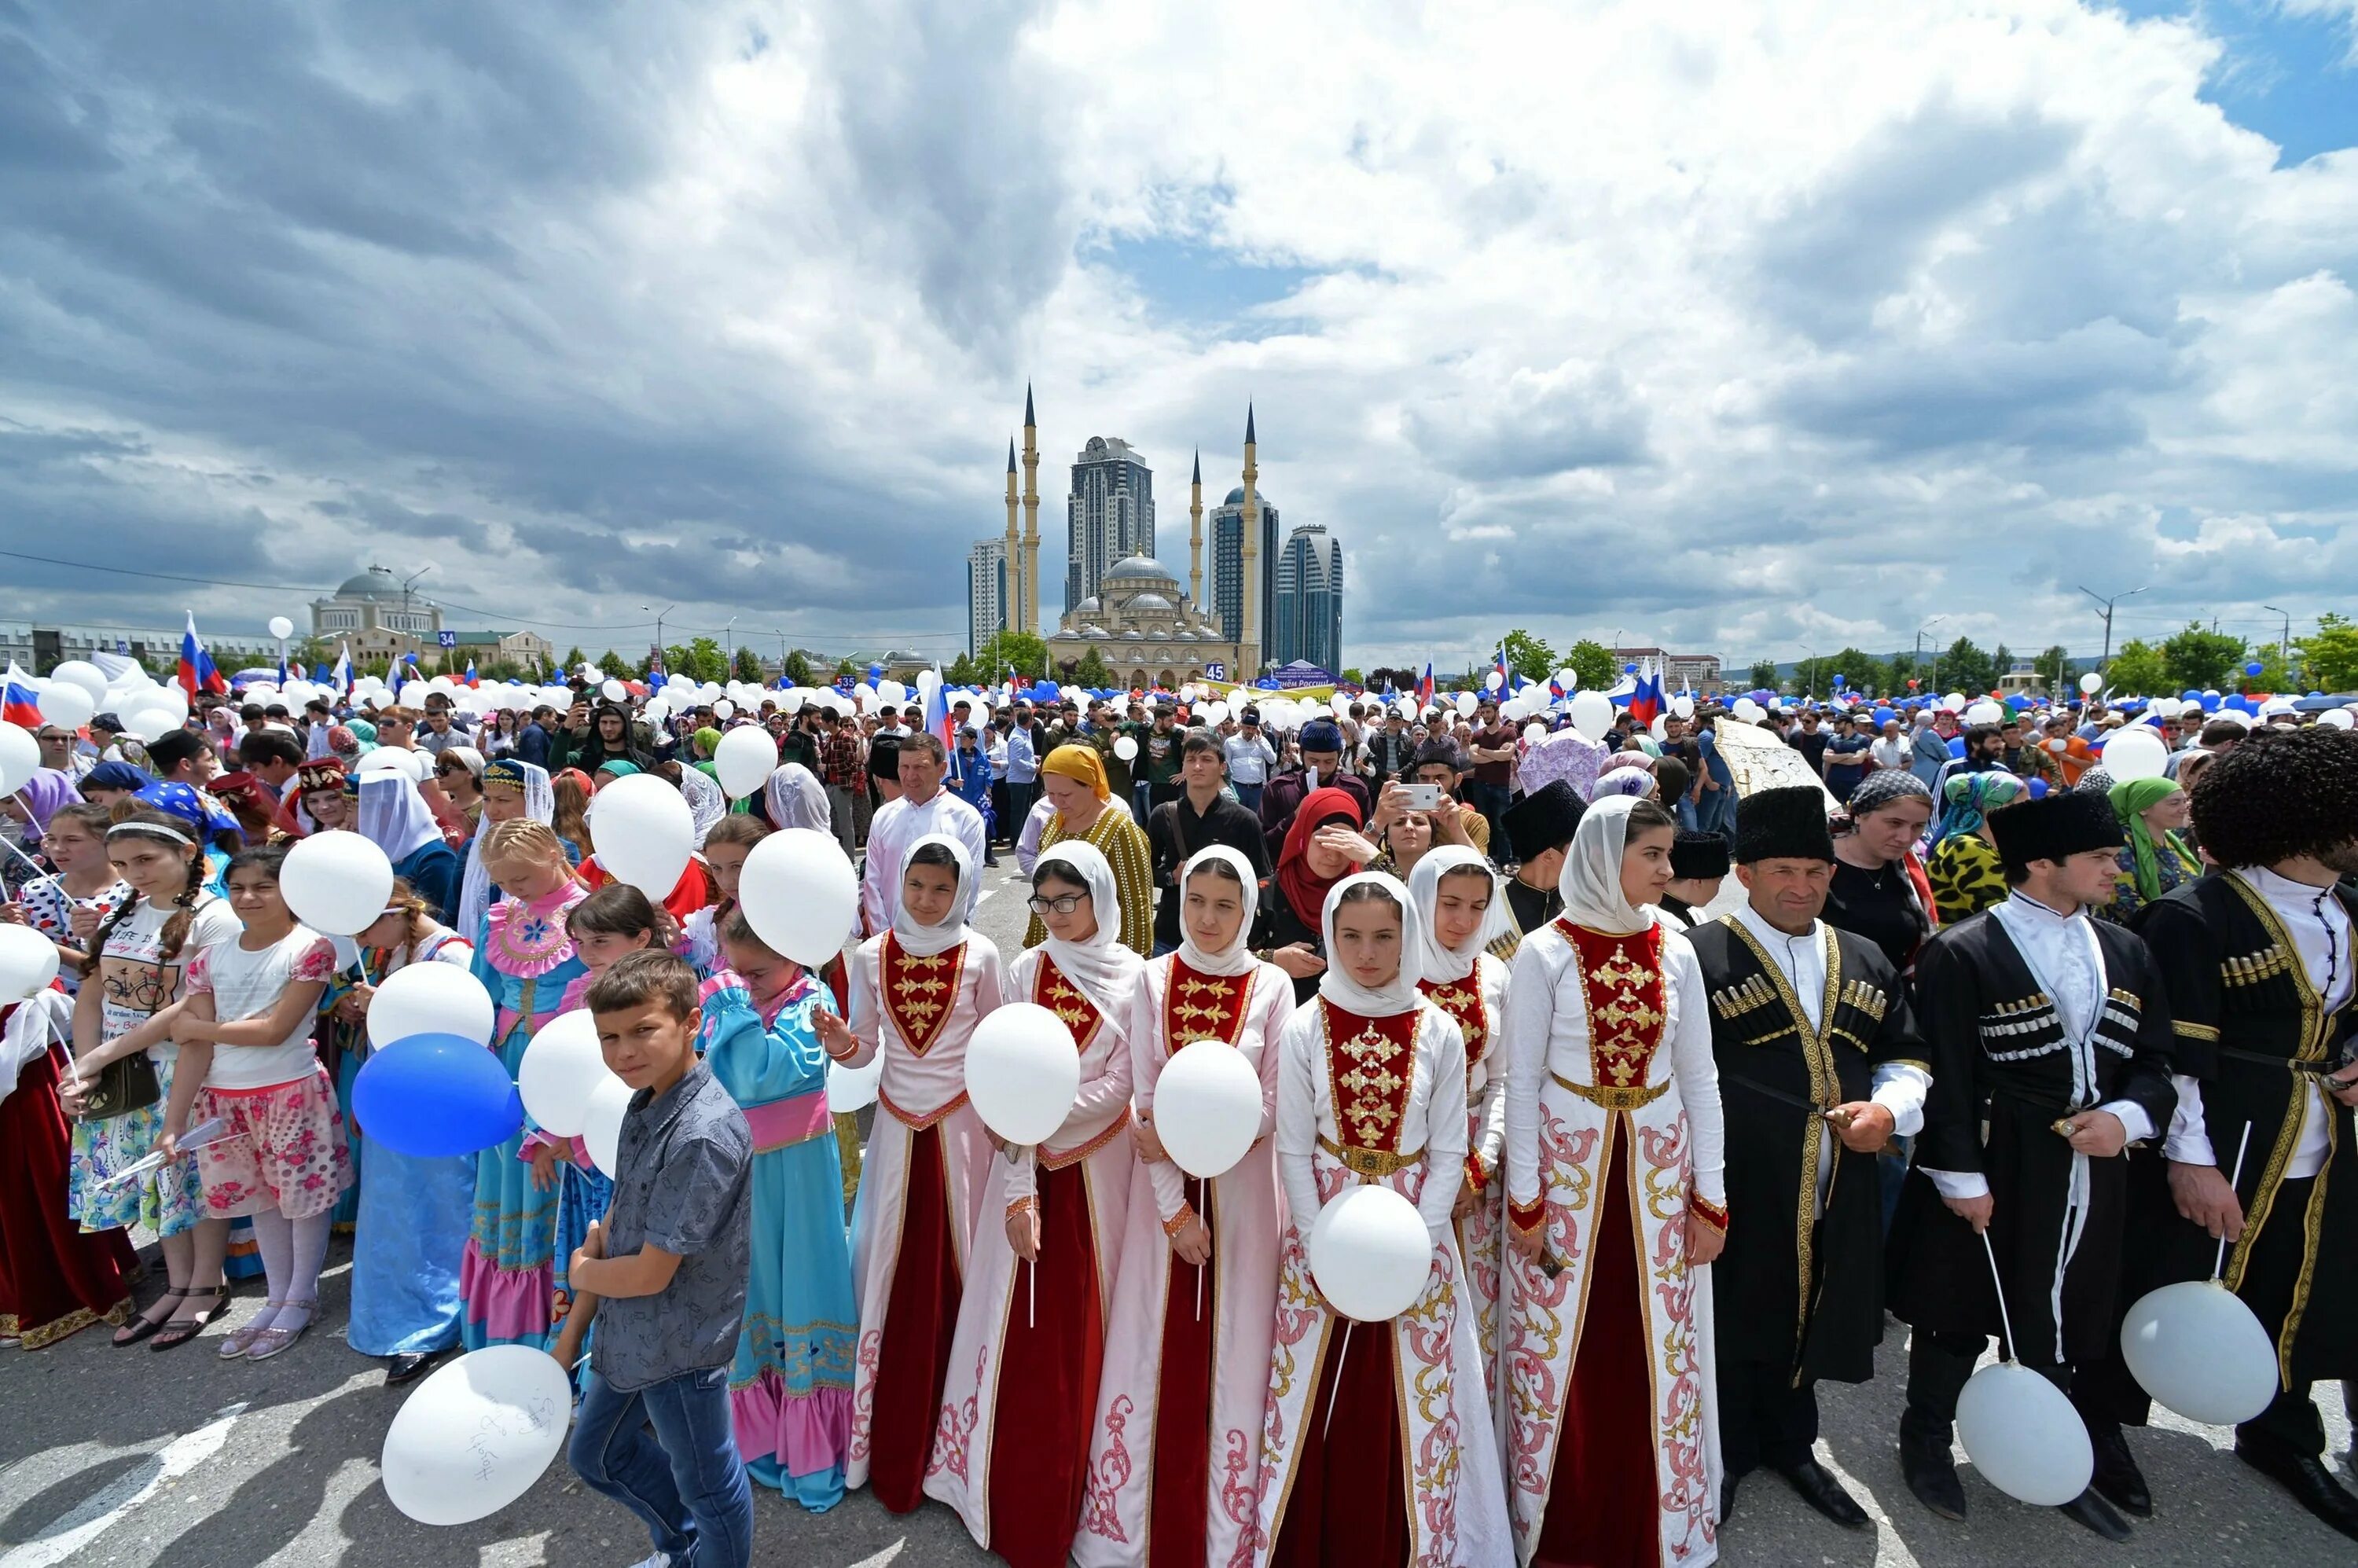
(1323, 846)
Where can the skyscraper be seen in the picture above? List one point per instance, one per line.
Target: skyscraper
(1228, 564)
(986, 595)
(1308, 622)
(1110, 514)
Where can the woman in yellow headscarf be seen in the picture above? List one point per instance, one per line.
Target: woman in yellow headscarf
(1075, 780)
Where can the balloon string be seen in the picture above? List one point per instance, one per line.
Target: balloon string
(17, 850)
(2219, 1264)
(1199, 1267)
(1996, 1279)
(1347, 1325)
(1032, 1274)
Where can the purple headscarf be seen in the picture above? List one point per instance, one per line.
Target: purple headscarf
(44, 793)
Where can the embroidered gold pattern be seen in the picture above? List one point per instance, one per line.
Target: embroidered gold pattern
(1204, 1007)
(1622, 988)
(1052, 990)
(918, 992)
(1462, 1000)
(1369, 1073)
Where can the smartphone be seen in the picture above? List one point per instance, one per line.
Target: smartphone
(1422, 796)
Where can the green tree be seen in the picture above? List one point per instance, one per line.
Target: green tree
(2275, 675)
(1764, 676)
(748, 665)
(1529, 657)
(573, 658)
(845, 670)
(1021, 651)
(1350, 677)
(1898, 673)
(799, 668)
(1088, 670)
(2195, 658)
(2001, 664)
(613, 664)
(1862, 671)
(2055, 671)
(1965, 667)
(2328, 658)
(2138, 667)
(962, 672)
(1592, 662)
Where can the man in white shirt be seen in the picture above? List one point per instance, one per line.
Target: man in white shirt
(2050, 1040)
(1251, 757)
(922, 807)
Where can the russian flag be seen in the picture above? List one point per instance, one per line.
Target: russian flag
(469, 677)
(1424, 686)
(340, 677)
(1506, 676)
(197, 672)
(20, 703)
(938, 717)
(1645, 702)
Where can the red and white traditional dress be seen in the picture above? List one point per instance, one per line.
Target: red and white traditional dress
(1613, 1135)
(917, 992)
(1175, 1457)
(1375, 1443)
(56, 1278)
(1011, 1443)
(1470, 986)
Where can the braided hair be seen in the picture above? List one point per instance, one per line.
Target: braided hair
(183, 904)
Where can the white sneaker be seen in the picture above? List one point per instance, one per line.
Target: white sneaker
(660, 1559)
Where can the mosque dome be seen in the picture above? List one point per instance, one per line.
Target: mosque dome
(375, 583)
(1150, 601)
(1092, 605)
(1237, 497)
(1141, 568)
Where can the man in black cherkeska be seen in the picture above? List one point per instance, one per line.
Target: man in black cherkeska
(2050, 1041)
(2257, 961)
(1819, 1066)
(1539, 832)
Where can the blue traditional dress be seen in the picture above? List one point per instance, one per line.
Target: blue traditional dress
(433, 872)
(413, 1225)
(524, 957)
(583, 1191)
(790, 1387)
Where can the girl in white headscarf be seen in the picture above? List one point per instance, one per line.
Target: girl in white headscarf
(1186, 1368)
(707, 804)
(511, 788)
(1462, 903)
(794, 798)
(917, 992)
(1615, 1199)
(1013, 1445)
(1371, 1090)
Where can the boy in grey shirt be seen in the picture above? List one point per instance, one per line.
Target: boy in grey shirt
(665, 1274)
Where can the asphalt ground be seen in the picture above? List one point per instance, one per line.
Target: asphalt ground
(128, 1459)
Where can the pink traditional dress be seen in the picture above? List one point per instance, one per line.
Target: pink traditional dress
(1613, 1135)
(917, 992)
(1376, 1444)
(1011, 1448)
(1174, 1458)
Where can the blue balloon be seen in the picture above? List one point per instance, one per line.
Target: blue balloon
(2254, 667)
(2039, 789)
(1885, 716)
(436, 1095)
(1956, 745)
(2208, 704)
(1628, 669)
(2190, 695)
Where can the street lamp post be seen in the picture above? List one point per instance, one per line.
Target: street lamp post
(729, 633)
(2106, 657)
(1919, 666)
(1812, 696)
(2284, 642)
(658, 614)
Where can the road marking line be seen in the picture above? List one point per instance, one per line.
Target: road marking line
(881, 1558)
(979, 900)
(95, 1515)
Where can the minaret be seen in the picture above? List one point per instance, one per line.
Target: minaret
(1195, 535)
(1013, 585)
(1249, 646)
(1030, 599)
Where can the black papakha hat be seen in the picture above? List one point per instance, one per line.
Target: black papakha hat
(1784, 824)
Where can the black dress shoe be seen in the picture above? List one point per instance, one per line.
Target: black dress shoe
(406, 1368)
(2306, 1477)
(2117, 1478)
(1818, 1488)
(1931, 1475)
(2091, 1510)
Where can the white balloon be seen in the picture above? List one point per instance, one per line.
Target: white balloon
(20, 757)
(1745, 710)
(1493, 681)
(1955, 702)
(66, 705)
(794, 701)
(724, 710)
(799, 894)
(1466, 703)
(1683, 708)
(1213, 713)
(1536, 732)
(2022, 1433)
(745, 759)
(2092, 683)
(477, 1434)
(281, 627)
(429, 998)
(28, 962)
(613, 690)
(852, 1088)
(441, 684)
(562, 1067)
(336, 882)
(644, 833)
(1207, 1108)
(601, 1122)
(87, 676)
(1592, 712)
(1022, 1071)
(1984, 712)
(892, 691)
(2135, 752)
(1371, 1253)
(1126, 747)
(2336, 719)
(2196, 1348)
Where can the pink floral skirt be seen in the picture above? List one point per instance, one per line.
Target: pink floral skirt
(285, 1150)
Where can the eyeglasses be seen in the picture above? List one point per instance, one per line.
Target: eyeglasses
(1065, 905)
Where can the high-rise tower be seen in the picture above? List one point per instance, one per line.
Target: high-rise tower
(1011, 558)
(1249, 644)
(1028, 593)
(1195, 536)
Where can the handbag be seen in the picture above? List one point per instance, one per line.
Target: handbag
(123, 1086)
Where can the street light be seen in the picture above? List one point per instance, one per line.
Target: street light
(658, 614)
(2284, 642)
(1919, 666)
(1812, 696)
(729, 633)
(2108, 657)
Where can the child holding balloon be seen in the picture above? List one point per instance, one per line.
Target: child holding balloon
(246, 1062)
(524, 955)
(726, 848)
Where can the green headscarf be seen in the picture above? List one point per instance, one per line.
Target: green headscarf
(2130, 802)
(1971, 797)
(618, 768)
(708, 741)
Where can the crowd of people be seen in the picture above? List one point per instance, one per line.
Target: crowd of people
(1974, 1016)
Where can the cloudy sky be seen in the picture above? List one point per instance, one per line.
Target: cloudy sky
(1741, 328)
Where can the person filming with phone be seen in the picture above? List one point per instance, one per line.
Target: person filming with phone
(1422, 811)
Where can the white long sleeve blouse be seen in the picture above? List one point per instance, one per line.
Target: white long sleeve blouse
(1433, 1120)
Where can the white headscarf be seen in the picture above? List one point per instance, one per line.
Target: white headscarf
(796, 799)
(1399, 995)
(1443, 963)
(924, 941)
(469, 755)
(475, 887)
(1237, 958)
(706, 803)
(1590, 882)
(1102, 966)
(394, 816)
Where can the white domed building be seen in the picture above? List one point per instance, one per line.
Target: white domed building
(1141, 624)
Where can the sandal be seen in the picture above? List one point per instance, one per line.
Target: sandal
(140, 1327)
(274, 1341)
(241, 1340)
(179, 1331)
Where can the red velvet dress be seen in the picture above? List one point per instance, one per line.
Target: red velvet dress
(56, 1278)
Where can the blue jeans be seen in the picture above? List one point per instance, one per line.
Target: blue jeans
(686, 1483)
(1248, 796)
